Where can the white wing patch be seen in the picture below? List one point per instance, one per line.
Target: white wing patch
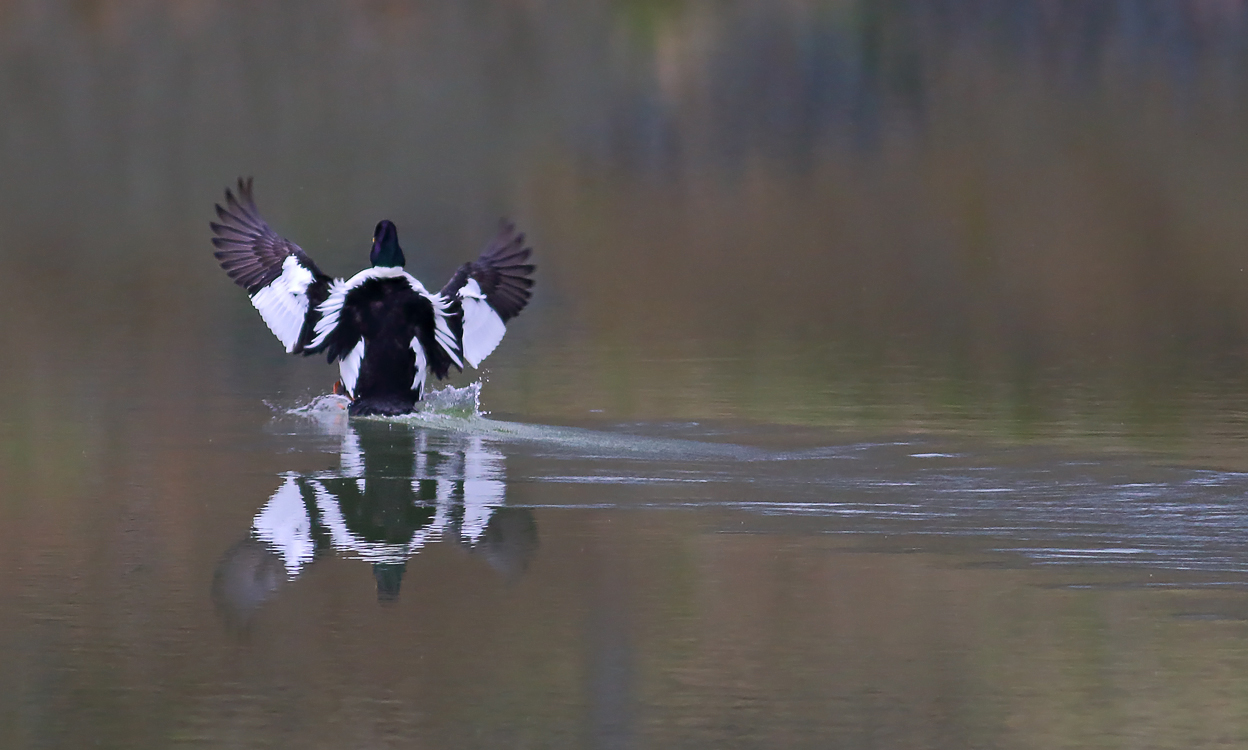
(349, 367)
(418, 383)
(284, 302)
(483, 329)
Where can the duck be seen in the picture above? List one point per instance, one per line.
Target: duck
(386, 331)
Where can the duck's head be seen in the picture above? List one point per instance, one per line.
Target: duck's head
(386, 250)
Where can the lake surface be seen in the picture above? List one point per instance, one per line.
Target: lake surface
(884, 384)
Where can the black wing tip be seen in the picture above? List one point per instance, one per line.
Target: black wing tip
(246, 248)
(244, 188)
(504, 260)
(507, 228)
(240, 208)
(508, 244)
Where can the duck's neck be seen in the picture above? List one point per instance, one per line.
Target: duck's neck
(386, 250)
(389, 256)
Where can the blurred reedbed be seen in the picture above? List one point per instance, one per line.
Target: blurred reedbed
(998, 210)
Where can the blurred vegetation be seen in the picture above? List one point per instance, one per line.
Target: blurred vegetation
(1022, 217)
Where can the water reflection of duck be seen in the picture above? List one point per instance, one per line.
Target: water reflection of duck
(389, 499)
(385, 330)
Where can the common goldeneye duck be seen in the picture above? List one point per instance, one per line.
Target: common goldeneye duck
(385, 330)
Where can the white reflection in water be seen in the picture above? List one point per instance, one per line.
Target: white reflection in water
(283, 523)
(403, 485)
(397, 490)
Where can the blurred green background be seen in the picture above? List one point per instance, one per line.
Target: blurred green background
(1009, 218)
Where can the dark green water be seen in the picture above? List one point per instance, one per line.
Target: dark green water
(883, 387)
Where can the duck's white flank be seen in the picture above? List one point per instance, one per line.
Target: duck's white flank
(284, 302)
(483, 329)
(418, 382)
(441, 331)
(349, 367)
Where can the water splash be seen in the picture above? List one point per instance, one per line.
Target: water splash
(449, 401)
(458, 410)
(328, 404)
(329, 412)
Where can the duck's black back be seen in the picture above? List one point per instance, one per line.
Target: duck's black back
(388, 313)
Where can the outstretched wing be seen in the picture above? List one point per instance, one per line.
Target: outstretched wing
(490, 291)
(285, 285)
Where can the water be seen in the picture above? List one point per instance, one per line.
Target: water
(883, 384)
(1102, 509)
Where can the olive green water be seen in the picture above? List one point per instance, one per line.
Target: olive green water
(884, 384)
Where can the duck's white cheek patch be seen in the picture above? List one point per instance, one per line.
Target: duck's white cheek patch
(483, 329)
(284, 302)
(349, 367)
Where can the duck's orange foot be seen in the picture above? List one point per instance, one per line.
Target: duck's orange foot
(340, 389)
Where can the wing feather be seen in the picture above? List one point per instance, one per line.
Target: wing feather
(490, 291)
(501, 272)
(285, 285)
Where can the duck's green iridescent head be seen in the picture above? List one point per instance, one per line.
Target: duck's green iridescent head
(386, 250)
